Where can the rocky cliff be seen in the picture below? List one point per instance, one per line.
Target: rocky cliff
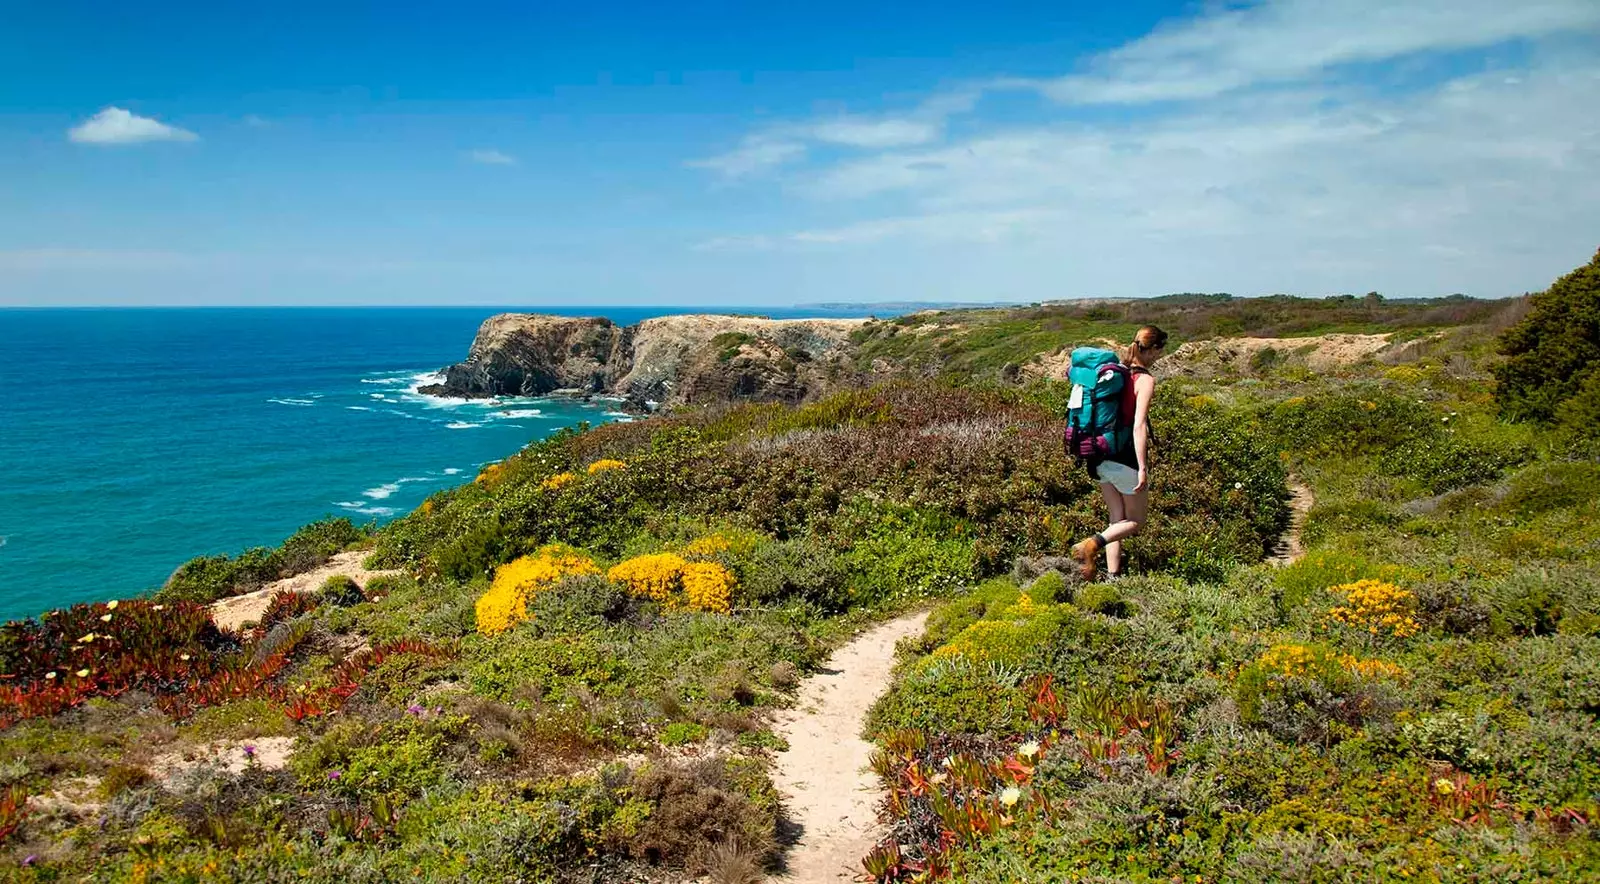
(670, 360)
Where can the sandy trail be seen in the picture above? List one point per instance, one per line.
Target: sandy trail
(235, 611)
(829, 792)
(1288, 549)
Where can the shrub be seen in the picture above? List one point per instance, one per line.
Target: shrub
(1554, 350)
(1445, 463)
(341, 591)
(1347, 423)
(954, 696)
(1012, 636)
(208, 578)
(676, 582)
(1102, 598)
(506, 603)
(1381, 609)
(695, 807)
(1309, 693)
(682, 732)
(1050, 588)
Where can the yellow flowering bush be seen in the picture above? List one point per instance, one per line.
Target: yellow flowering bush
(652, 577)
(506, 603)
(707, 586)
(1370, 669)
(559, 481)
(707, 546)
(491, 474)
(605, 464)
(676, 582)
(1297, 661)
(1378, 607)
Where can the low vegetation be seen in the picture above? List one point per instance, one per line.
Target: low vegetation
(572, 677)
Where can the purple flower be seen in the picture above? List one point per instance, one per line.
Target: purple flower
(414, 709)
(249, 751)
(32, 858)
(334, 775)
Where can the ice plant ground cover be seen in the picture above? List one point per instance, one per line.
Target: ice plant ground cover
(573, 680)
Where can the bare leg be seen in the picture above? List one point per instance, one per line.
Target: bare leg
(1134, 508)
(1114, 506)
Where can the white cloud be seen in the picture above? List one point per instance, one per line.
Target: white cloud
(854, 132)
(1290, 40)
(488, 156)
(117, 126)
(755, 154)
(1296, 163)
(255, 121)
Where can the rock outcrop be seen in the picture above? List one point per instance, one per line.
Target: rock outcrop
(530, 354)
(669, 360)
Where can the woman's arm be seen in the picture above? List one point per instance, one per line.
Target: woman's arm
(1144, 387)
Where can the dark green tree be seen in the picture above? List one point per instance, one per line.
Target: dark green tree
(1554, 349)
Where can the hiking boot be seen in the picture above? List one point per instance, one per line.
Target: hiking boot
(1087, 552)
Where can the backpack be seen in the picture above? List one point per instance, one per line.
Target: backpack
(1099, 424)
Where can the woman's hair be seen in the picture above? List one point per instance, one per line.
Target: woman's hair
(1145, 340)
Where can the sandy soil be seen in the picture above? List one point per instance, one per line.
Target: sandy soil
(830, 794)
(270, 753)
(235, 611)
(1320, 352)
(1289, 549)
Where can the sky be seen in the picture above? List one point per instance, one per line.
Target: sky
(772, 154)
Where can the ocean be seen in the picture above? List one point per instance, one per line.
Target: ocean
(134, 439)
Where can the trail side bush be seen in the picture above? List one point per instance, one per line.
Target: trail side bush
(1553, 352)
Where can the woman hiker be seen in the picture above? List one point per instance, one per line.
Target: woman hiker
(1125, 476)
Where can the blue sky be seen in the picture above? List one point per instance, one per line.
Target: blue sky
(723, 154)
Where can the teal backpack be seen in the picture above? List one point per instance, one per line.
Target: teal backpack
(1099, 425)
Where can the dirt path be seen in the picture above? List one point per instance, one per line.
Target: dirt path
(235, 611)
(829, 792)
(1288, 549)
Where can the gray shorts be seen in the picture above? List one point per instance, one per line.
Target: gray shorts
(1119, 476)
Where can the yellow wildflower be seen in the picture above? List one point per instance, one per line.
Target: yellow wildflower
(1377, 607)
(653, 576)
(558, 481)
(705, 586)
(111, 605)
(506, 603)
(708, 587)
(605, 464)
(707, 546)
(88, 639)
(490, 474)
(83, 673)
(105, 618)
(1443, 786)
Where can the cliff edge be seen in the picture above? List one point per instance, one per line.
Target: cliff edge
(669, 360)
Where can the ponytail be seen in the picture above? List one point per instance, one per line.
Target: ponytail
(1144, 340)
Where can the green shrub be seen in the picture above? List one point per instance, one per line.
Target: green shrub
(341, 591)
(1050, 588)
(515, 667)
(314, 544)
(803, 569)
(1102, 598)
(1446, 462)
(208, 578)
(681, 733)
(1554, 351)
(1346, 423)
(952, 696)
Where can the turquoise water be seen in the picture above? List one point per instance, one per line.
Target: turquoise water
(132, 440)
